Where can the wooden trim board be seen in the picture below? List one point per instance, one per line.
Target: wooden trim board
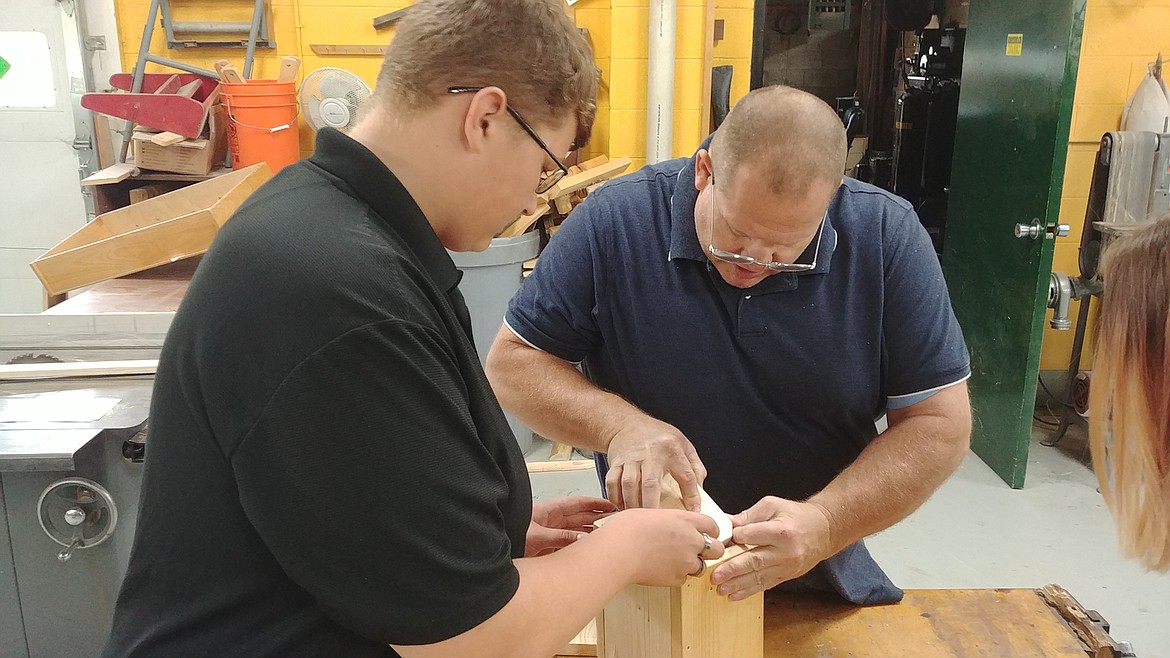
(27, 371)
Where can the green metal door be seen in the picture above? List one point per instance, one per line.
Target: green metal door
(1015, 108)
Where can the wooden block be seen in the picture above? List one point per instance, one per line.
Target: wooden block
(289, 66)
(103, 139)
(689, 621)
(91, 369)
(166, 138)
(563, 204)
(228, 73)
(584, 644)
(140, 194)
(112, 174)
(574, 170)
(560, 452)
(347, 49)
(160, 230)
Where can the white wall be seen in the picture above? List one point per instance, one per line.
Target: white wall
(40, 195)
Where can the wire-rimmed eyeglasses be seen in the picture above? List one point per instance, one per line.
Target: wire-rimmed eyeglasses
(754, 264)
(549, 180)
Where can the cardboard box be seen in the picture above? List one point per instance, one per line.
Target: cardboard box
(192, 156)
(154, 232)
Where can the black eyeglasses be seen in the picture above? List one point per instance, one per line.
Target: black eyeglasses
(549, 180)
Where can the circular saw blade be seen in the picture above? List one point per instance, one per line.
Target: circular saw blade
(33, 358)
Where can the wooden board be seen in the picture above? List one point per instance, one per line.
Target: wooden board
(347, 49)
(63, 370)
(112, 174)
(570, 184)
(386, 20)
(562, 465)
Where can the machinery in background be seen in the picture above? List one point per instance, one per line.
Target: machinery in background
(71, 452)
(1130, 187)
(926, 114)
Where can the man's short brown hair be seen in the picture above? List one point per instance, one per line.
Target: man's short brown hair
(528, 48)
(793, 136)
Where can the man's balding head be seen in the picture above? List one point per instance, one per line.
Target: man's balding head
(791, 137)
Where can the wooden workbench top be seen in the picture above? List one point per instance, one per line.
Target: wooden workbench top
(158, 289)
(941, 623)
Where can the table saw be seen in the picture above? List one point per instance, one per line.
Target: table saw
(70, 472)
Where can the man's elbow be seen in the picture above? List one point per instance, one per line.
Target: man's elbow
(500, 362)
(958, 430)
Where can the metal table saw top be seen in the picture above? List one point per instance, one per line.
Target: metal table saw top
(48, 442)
(50, 421)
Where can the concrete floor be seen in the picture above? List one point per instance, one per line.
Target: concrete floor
(976, 532)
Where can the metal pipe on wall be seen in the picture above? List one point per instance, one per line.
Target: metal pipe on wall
(660, 81)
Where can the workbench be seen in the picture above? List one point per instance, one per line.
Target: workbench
(934, 623)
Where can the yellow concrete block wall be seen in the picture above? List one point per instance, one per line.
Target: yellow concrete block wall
(1120, 37)
(618, 31)
(623, 60)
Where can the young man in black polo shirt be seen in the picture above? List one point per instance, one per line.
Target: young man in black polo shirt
(329, 472)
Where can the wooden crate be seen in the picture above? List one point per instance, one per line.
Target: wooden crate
(159, 230)
(190, 156)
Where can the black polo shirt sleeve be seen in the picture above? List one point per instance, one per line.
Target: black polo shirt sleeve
(556, 308)
(923, 342)
(366, 479)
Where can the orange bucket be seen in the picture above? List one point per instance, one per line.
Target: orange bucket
(257, 87)
(263, 133)
(262, 122)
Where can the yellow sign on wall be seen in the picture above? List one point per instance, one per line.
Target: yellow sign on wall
(1015, 45)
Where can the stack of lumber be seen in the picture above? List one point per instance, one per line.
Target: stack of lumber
(555, 205)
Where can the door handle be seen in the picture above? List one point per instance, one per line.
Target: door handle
(1031, 231)
(1035, 230)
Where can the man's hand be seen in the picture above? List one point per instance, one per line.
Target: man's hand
(558, 523)
(789, 539)
(641, 452)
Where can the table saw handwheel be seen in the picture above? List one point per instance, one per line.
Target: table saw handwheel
(76, 513)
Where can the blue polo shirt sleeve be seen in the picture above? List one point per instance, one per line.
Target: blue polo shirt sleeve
(925, 351)
(556, 308)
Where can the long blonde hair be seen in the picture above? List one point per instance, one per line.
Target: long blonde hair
(1130, 394)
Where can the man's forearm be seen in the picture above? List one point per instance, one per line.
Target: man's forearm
(552, 397)
(899, 469)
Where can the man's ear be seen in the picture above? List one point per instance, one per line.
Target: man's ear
(484, 113)
(703, 171)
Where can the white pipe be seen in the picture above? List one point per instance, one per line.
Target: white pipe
(660, 82)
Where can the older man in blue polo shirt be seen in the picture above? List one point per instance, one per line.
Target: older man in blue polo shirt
(741, 318)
